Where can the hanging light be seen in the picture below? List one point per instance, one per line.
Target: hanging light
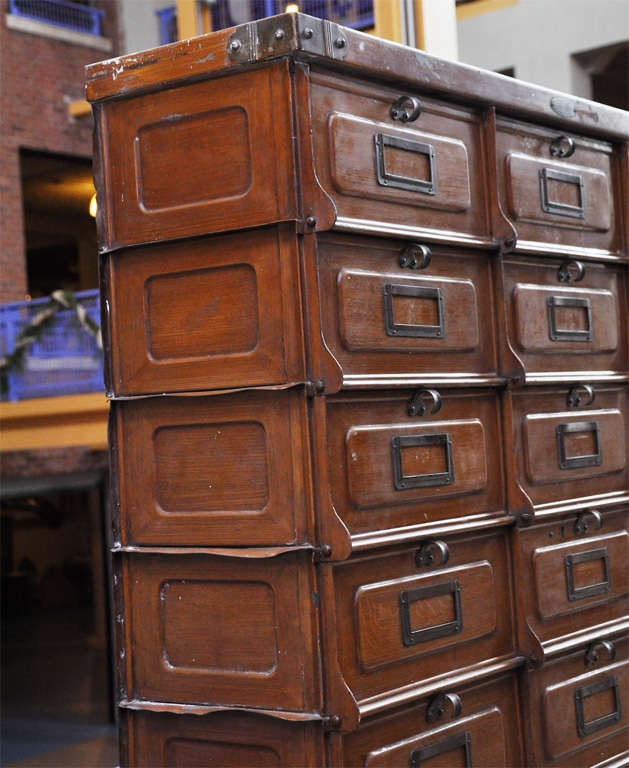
(292, 8)
(93, 206)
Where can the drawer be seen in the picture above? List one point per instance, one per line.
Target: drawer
(574, 575)
(570, 329)
(417, 613)
(383, 320)
(390, 471)
(212, 471)
(557, 190)
(225, 739)
(384, 175)
(205, 314)
(570, 454)
(594, 706)
(484, 733)
(202, 158)
(204, 629)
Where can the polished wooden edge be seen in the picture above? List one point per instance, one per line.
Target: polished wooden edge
(401, 696)
(210, 392)
(242, 552)
(552, 249)
(565, 377)
(141, 705)
(327, 42)
(415, 533)
(387, 229)
(574, 640)
(384, 381)
(554, 509)
(621, 760)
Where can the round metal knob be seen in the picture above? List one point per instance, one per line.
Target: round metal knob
(583, 522)
(415, 256)
(418, 403)
(577, 393)
(438, 705)
(406, 109)
(562, 146)
(432, 552)
(593, 650)
(571, 271)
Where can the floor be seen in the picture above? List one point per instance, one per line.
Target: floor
(55, 694)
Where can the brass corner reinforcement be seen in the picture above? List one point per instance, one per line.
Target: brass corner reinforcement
(289, 32)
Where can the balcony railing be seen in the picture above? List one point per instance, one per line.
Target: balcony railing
(75, 16)
(167, 24)
(64, 360)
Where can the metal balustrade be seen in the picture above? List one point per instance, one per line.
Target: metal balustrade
(64, 360)
(75, 16)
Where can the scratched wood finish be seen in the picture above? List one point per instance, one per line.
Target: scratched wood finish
(206, 314)
(215, 630)
(554, 601)
(213, 471)
(489, 714)
(542, 315)
(225, 739)
(557, 204)
(447, 307)
(558, 740)
(397, 621)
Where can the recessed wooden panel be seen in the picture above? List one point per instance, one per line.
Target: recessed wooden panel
(440, 611)
(454, 463)
(375, 312)
(475, 740)
(408, 165)
(217, 630)
(542, 329)
(583, 445)
(213, 471)
(389, 470)
(221, 739)
(196, 160)
(398, 621)
(426, 175)
(595, 705)
(205, 314)
(557, 204)
(575, 575)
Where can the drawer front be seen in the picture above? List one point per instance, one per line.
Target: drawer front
(375, 312)
(421, 611)
(219, 630)
(219, 312)
(594, 706)
(557, 328)
(212, 471)
(559, 200)
(197, 159)
(573, 574)
(485, 733)
(422, 175)
(226, 739)
(389, 469)
(564, 453)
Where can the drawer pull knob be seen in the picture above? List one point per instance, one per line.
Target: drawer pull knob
(438, 705)
(415, 256)
(432, 552)
(571, 271)
(406, 109)
(562, 146)
(581, 524)
(418, 403)
(593, 649)
(576, 393)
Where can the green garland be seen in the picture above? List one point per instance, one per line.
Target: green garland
(39, 323)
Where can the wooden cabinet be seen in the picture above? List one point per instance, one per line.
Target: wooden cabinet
(366, 335)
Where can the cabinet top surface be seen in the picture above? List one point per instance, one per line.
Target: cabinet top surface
(307, 38)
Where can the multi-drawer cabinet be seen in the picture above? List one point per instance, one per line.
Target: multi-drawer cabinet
(365, 322)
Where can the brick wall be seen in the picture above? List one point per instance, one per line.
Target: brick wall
(40, 76)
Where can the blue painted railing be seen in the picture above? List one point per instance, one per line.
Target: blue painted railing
(65, 360)
(75, 16)
(167, 24)
(358, 14)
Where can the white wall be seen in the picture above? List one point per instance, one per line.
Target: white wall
(537, 37)
(140, 24)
